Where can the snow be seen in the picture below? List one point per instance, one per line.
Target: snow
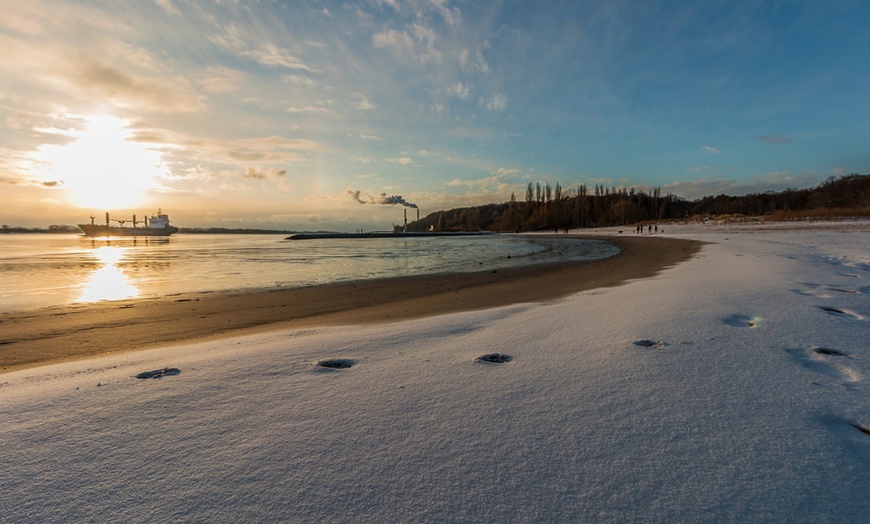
(731, 414)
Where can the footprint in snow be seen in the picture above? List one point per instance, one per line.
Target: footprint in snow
(828, 362)
(850, 430)
(819, 291)
(742, 321)
(837, 312)
(159, 373)
(335, 363)
(831, 352)
(494, 358)
(657, 344)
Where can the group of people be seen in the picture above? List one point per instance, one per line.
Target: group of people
(639, 228)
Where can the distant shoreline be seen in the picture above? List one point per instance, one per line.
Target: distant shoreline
(56, 334)
(75, 230)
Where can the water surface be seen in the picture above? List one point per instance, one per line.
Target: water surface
(45, 270)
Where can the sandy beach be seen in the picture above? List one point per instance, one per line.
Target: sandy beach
(51, 335)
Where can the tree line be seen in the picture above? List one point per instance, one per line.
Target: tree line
(554, 207)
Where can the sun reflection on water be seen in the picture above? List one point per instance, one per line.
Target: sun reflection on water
(108, 282)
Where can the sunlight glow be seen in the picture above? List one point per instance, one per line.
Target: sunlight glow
(101, 168)
(108, 282)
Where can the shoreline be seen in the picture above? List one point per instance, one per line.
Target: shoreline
(57, 334)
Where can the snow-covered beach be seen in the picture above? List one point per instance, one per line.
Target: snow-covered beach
(732, 387)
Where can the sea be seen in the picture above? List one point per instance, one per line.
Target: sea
(45, 270)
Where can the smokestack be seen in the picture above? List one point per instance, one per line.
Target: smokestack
(418, 214)
(406, 218)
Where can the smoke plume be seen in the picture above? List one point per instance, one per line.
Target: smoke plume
(382, 199)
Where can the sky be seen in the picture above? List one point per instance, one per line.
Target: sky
(315, 115)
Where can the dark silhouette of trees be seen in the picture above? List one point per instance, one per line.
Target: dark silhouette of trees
(547, 207)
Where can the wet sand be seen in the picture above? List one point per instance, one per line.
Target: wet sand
(49, 335)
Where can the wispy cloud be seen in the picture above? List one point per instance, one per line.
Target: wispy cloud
(272, 55)
(168, 7)
(91, 77)
(239, 41)
(473, 62)
(774, 181)
(459, 90)
(712, 150)
(362, 103)
(398, 41)
(307, 109)
(251, 172)
(776, 140)
(299, 80)
(497, 102)
(261, 154)
(221, 80)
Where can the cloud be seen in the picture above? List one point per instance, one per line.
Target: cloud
(392, 39)
(362, 103)
(492, 188)
(237, 40)
(231, 154)
(774, 181)
(168, 7)
(251, 172)
(93, 79)
(405, 160)
(221, 80)
(418, 44)
(712, 150)
(299, 80)
(775, 140)
(475, 63)
(272, 55)
(459, 90)
(307, 109)
(392, 3)
(452, 16)
(497, 102)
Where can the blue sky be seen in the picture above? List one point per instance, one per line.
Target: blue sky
(274, 114)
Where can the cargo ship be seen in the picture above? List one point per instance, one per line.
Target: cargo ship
(155, 226)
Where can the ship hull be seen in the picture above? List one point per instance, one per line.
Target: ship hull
(93, 230)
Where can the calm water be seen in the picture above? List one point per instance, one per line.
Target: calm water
(45, 270)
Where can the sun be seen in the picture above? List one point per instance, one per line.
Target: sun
(102, 168)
